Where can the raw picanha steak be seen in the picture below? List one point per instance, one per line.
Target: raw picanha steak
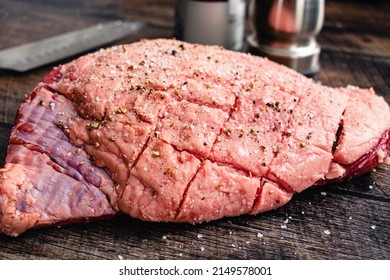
(168, 131)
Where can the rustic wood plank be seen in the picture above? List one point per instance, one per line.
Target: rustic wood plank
(310, 214)
(360, 27)
(26, 21)
(5, 131)
(340, 69)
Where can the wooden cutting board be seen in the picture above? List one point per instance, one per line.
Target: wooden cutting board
(342, 221)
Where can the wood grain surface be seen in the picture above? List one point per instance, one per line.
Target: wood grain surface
(355, 44)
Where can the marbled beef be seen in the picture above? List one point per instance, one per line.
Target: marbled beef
(169, 131)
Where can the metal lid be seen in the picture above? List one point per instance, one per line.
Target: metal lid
(302, 58)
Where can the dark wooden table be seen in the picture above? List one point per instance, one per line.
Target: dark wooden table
(356, 50)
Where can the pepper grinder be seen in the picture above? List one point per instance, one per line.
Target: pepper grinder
(286, 30)
(211, 22)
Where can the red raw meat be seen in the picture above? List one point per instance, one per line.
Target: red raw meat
(169, 131)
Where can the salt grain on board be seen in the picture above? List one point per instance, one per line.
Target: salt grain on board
(327, 232)
(259, 234)
(373, 227)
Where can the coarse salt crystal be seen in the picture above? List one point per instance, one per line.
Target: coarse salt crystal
(259, 235)
(284, 226)
(327, 232)
(370, 187)
(120, 257)
(323, 193)
(202, 249)
(164, 237)
(286, 221)
(303, 212)
(199, 236)
(373, 227)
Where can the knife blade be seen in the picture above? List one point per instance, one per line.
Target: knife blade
(31, 55)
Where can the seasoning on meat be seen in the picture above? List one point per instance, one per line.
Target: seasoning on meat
(169, 131)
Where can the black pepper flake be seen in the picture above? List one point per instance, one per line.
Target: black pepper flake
(181, 46)
(139, 87)
(169, 171)
(60, 124)
(91, 126)
(174, 52)
(121, 110)
(274, 106)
